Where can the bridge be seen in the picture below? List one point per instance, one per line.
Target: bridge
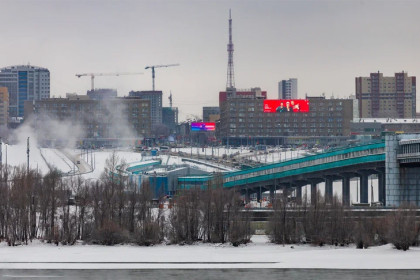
(395, 161)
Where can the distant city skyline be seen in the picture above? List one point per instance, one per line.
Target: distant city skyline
(324, 44)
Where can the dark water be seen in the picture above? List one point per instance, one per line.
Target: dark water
(202, 274)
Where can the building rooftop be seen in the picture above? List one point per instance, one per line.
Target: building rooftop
(385, 120)
(17, 67)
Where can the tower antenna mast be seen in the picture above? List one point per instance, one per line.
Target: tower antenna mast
(230, 83)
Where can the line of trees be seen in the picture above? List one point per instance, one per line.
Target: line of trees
(113, 210)
(329, 222)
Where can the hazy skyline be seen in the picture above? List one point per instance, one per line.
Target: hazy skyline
(324, 44)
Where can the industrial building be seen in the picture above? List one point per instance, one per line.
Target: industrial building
(386, 97)
(24, 83)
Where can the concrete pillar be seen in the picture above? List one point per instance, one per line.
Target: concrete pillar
(328, 188)
(364, 188)
(381, 187)
(299, 195)
(259, 195)
(272, 189)
(346, 191)
(313, 192)
(247, 196)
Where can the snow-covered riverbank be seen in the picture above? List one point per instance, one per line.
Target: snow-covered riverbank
(258, 254)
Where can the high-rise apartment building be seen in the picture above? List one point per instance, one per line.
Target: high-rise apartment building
(288, 89)
(155, 97)
(4, 106)
(24, 83)
(386, 97)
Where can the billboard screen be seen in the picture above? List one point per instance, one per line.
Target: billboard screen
(203, 126)
(286, 106)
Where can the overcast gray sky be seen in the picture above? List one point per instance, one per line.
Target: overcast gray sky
(325, 44)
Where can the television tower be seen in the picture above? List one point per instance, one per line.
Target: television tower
(230, 84)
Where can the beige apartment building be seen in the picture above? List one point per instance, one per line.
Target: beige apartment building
(4, 106)
(386, 97)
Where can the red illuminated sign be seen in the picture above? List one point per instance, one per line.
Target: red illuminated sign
(286, 106)
(203, 126)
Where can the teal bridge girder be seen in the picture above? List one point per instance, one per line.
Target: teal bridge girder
(330, 163)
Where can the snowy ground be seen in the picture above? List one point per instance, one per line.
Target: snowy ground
(258, 254)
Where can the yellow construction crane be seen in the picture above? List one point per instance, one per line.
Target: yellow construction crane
(158, 66)
(93, 75)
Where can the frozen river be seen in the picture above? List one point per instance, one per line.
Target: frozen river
(181, 274)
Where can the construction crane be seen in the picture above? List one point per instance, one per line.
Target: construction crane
(93, 75)
(158, 66)
(170, 99)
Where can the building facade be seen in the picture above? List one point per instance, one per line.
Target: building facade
(115, 118)
(288, 89)
(242, 121)
(211, 114)
(24, 82)
(155, 98)
(386, 97)
(4, 106)
(170, 118)
(102, 93)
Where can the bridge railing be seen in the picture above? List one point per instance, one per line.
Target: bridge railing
(328, 157)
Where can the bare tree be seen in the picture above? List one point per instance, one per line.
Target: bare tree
(402, 228)
(185, 218)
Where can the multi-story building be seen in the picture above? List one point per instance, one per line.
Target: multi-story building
(113, 118)
(386, 97)
(24, 82)
(4, 106)
(242, 121)
(211, 114)
(102, 93)
(170, 118)
(253, 93)
(288, 89)
(155, 98)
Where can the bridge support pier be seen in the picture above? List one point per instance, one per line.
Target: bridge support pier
(381, 187)
(328, 188)
(346, 191)
(364, 188)
(259, 195)
(247, 196)
(313, 192)
(272, 190)
(299, 195)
